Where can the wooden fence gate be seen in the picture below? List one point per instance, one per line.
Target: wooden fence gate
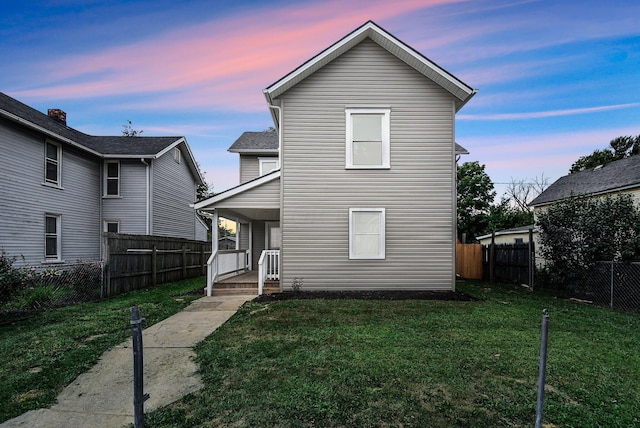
(469, 261)
(509, 263)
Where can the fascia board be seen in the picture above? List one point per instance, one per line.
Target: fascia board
(370, 29)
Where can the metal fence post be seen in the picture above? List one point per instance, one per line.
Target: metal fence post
(611, 293)
(542, 375)
(139, 397)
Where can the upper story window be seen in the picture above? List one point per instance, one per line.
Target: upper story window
(112, 178)
(52, 163)
(176, 155)
(367, 233)
(368, 138)
(52, 237)
(268, 165)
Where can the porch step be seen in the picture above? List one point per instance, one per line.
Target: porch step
(221, 289)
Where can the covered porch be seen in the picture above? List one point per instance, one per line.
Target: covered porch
(244, 283)
(254, 264)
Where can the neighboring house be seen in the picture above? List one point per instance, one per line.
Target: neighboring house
(621, 176)
(356, 188)
(61, 189)
(517, 235)
(227, 243)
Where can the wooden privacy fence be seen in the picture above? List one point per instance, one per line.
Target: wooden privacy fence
(509, 263)
(133, 262)
(469, 261)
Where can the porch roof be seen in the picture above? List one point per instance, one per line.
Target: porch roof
(258, 199)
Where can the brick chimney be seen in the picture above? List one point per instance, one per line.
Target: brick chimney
(57, 114)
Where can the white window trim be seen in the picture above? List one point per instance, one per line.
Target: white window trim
(106, 225)
(177, 155)
(262, 161)
(106, 178)
(386, 136)
(58, 256)
(381, 236)
(58, 162)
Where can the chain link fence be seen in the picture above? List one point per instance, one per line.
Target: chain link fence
(615, 285)
(32, 289)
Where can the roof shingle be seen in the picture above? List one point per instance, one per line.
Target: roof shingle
(617, 175)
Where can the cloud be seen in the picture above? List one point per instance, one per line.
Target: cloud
(221, 63)
(544, 114)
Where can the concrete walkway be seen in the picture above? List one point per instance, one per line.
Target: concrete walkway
(103, 396)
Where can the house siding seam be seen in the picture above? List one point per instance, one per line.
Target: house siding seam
(77, 202)
(317, 190)
(173, 191)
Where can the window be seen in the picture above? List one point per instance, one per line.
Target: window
(367, 138)
(112, 185)
(52, 158)
(111, 226)
(52, 237)
(176, 154)
(268, 165)
(366, 233)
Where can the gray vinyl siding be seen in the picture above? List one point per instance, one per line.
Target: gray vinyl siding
(259, 236)
(130, 207)
(201, 231)
(417, 192)
(249, 168)
(174, 189)
(243, 234)
(24, 200)
(265, 196)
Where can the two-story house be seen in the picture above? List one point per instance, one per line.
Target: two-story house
(61, 188)
(356, 188)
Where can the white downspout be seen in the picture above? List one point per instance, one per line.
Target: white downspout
(147, 196)
(279, 131)
(280, 160)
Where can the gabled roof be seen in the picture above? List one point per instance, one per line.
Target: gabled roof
(615, 176)
(101, 146)
(256, 142)
(266, 142)
(460, 90)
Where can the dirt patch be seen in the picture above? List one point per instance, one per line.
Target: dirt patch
(367, 295)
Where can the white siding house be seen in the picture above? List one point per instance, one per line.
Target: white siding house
(364, 194)
(61, 189)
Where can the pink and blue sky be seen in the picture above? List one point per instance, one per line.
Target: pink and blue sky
(555, 79)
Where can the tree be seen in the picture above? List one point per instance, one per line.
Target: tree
(505, 216)
(475, 196)
(619, 148)
(128, 131)
(519, 193)
(579, 231)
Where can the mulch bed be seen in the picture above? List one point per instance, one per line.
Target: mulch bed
(367, 295)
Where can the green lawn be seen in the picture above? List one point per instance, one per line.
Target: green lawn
(42, 354)
(416, 363)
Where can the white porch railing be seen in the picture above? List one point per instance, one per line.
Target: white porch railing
(223, 262)
(268, 268)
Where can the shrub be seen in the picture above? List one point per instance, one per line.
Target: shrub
(579, 231)
(12, 279)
